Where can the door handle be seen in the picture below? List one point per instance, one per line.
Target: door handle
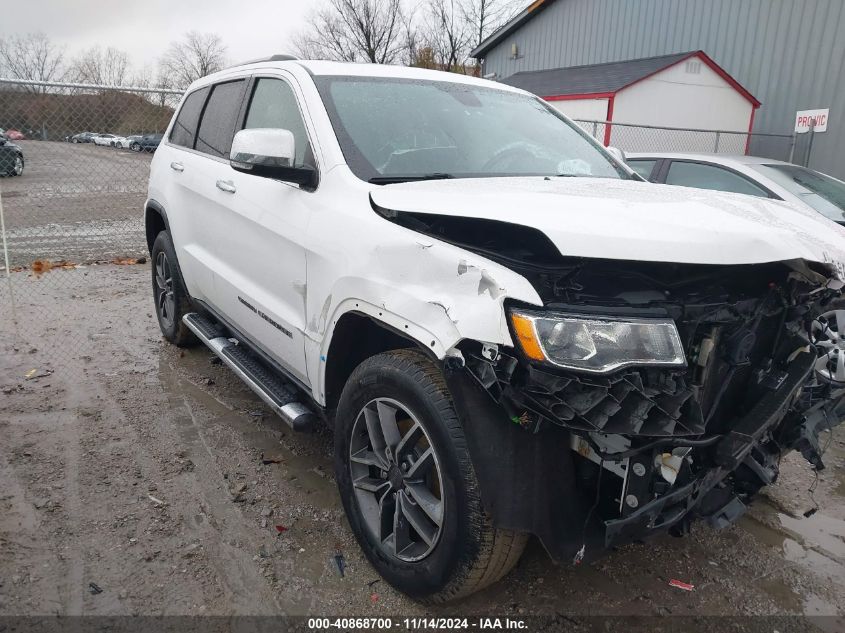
(226, 185)
(177, 166)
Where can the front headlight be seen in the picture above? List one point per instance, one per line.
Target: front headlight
(597, 344)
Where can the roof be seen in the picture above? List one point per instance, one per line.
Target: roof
(723, 159)
(517, 21)
(350, 69)
(610, 77)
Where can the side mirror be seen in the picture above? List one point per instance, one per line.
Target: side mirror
(618, 154)
(270, 153)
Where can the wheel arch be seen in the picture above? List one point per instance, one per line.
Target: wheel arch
(355, 337)
(155, 221)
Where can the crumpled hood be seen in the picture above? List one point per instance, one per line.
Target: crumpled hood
(629, 220)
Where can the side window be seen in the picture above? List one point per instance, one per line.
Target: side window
(643, 167)
(185, 128)
(218, 119)
(704, 176)
(273, 105)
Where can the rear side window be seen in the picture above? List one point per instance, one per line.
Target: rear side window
(185, 128)
(218, 119)
(642, 166)
(704, 176)
(273, 105)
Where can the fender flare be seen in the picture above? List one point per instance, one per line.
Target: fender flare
(154, 206)
(436, 344)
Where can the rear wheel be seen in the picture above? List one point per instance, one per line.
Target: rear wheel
(408, 486)
(135, 147)
(171, 299)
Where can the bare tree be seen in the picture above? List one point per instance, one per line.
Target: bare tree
(32, 56)
(354, 30)
(486, 16)
(447, 34)
(104, 67)
(199, 54)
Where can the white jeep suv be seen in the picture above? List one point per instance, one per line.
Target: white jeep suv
(507, 330)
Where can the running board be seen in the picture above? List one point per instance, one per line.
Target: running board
(279, 394)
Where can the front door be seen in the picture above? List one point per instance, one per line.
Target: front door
(258, 225)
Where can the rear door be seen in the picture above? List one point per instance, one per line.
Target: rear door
(174, 183)
(259, 224)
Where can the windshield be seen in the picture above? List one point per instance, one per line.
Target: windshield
(824, 193)
(391, 130)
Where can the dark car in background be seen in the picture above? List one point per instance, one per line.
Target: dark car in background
(11, 157)
(147, 143)
(83, 137)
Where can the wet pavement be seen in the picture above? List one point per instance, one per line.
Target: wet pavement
(155, 474)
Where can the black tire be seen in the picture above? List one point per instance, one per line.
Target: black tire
(167, 279)
(15, 171)
(469, 553)
(135, 147)
(74, 140)
(10, 168)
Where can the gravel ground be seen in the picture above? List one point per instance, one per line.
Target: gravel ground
(75, 202)
(138, 467)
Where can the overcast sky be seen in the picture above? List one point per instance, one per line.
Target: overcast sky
(144, 28)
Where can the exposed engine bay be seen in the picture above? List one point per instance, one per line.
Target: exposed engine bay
(657, 447)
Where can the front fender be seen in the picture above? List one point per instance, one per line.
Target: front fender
(433, 292)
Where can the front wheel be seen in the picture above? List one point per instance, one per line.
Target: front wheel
(171, 299)
(408, 486)
(135, 147)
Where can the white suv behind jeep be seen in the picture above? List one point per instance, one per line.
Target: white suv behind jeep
(508, 331)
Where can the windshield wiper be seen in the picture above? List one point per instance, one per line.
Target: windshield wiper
(388, 180)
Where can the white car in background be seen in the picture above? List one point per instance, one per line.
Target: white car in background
(104, 139)
(124, 142)
(752, 175)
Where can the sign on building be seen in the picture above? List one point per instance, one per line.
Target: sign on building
(817, 119)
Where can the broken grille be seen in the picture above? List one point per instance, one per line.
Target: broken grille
(640, 402)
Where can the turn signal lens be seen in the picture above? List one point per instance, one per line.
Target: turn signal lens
(524, 328)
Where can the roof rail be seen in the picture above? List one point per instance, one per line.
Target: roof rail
(279, 57)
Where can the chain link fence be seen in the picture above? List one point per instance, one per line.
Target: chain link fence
(84, 156)
(650, 138)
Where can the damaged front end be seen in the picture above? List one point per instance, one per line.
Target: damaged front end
(646, 395)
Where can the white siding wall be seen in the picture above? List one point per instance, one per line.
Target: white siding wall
(584, 109)
(677, 98)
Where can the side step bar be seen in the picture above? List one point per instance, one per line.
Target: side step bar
(272, 388)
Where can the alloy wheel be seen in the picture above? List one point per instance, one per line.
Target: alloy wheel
(397, 479)
(828, 335)
(18, 166)
(165, 302)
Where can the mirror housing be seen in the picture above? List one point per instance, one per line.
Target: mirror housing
(617, 153)
(270, 153)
